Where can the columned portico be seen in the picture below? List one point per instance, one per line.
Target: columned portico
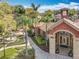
(64, 38)
(72, 43)
(61, 42)
(64, 43)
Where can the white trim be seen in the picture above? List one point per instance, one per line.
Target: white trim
(56, 24)
(63, 30)
(72, 24)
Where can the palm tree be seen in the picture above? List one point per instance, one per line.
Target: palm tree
(35, 15)
(35, 8)
(25, 23)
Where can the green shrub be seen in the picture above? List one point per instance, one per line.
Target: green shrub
(31, 53)
(30, 33)
(40, 40)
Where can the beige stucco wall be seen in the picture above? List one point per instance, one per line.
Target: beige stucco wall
(76, 48)
(51, 45)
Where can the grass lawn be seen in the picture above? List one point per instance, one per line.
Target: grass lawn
(31, 55)
(9, 53)
(1, 45)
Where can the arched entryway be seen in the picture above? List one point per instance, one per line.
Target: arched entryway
(64, 43)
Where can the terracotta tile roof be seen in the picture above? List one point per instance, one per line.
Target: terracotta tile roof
(38, 24)
(42, 26)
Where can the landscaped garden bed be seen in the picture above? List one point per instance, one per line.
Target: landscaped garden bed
(40, 41)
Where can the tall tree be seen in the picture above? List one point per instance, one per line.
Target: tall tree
(8, 22)
(34, 15)
(6, 8)
(2, 27)
(72, 12)
(25, 22)
(19, 10)
(49, 13)
(46, 19)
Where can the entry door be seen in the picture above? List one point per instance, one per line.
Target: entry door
(64, 41)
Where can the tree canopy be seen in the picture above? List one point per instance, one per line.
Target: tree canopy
(19, 9)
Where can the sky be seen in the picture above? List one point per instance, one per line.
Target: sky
(47, 4)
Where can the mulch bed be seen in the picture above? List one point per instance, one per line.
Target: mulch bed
(44, 48)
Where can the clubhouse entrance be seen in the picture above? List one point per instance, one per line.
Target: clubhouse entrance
(64, 43)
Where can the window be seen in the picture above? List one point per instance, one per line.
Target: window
(60, 39)
(67, 40)
(64, 40)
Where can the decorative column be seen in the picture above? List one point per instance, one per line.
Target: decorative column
(71, 41)
(76, 48)
(51, 44)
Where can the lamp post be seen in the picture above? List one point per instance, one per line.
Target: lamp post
(26, 43)
(10, 32)
(4, 44)
(4, 47)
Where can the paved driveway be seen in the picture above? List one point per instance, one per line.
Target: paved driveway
(40, 54)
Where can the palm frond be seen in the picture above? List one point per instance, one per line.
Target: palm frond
(33, 6)
(37, 7)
